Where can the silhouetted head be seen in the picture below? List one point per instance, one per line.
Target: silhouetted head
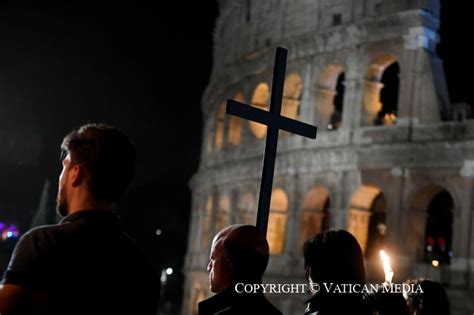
(432, 301)
(334, 256)
(98, 160)
(387, 303)
(239, 253)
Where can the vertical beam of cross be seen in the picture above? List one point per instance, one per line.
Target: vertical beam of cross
(274, 122)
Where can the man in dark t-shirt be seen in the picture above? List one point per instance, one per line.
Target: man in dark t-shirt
(85, 264)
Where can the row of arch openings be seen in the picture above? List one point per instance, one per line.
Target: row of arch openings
(381, 86)
(366, 219)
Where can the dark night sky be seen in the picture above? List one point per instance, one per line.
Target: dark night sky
(142, 68)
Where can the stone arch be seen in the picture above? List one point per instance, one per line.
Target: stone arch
(223, 213)
(367, 218)
(381, 80)
(246, 209)
(260, 99)
(313, 214)
(209, 139)
(235, 124)
(291, 96)
(436, 205)
(207, 223)
(219, 129)
(330, 93)
(421, 199)
(277, 221)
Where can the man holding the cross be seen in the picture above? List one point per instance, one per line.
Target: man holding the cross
(239, 255)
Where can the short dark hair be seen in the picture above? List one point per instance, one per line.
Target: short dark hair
(247, 253)
(334, 256)
(433, 299)
(387, 303)
(108, 156)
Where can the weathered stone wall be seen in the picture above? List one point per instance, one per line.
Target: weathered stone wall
(408, 162)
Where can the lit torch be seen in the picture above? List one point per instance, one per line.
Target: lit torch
(387, 268)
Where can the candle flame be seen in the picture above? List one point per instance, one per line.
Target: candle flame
(387, 267)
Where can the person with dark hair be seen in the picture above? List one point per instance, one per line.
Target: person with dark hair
(85, 264)
(432, 301)
(334, 258)
(387, 303)
(239, 256)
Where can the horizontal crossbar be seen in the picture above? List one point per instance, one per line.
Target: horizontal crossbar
(266, 118)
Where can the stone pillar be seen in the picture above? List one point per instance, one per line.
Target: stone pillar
(462, 261)
(223, 212)
(415, 236)
(471, 250)
(372, 104)
(421, 95)
(292, 186)
(234, 130)
(358, 225)
(220, 132)
(311, 223)
(207, 225)
(200, 218)
(307, 97)
(325, 105)
(289, 108)
(276, 234)
(207, 137)
(193, 241)
(352, 105)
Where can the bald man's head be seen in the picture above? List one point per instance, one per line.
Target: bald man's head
(239, 253)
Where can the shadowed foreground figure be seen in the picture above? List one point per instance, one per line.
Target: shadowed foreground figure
(334, 257)
(239, 254)
(387, 303)
(84, 264)
(433, 300)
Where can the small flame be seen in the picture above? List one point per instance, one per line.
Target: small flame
(389, 119)
(387, 268)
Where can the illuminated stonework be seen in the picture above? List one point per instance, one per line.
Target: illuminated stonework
(387, 154)
(260, 99)
(291, 96)
(326, 91)
(219, 131)
(313, 213)
(277, 221)
(235, 124)
(223, 213)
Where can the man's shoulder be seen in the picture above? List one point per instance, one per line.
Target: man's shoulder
(56, 237)
(226, 304)
(265, 307)
(38, 230)
(41, 233)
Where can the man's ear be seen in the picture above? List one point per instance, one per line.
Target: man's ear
(307, 272)
(77, 175)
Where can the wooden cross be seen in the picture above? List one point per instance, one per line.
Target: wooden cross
(274, 122)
